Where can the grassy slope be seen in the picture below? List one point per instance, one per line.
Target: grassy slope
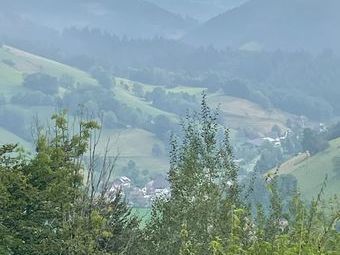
(29, 63)
(7, 137)
(240, 113)
(312, 171)
(136, 102)
(137, 144)
(11, 78)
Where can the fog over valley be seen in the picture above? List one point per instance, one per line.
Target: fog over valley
(169, 127)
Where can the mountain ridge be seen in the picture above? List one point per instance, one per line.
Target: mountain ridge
(144, 20)
(270, 25)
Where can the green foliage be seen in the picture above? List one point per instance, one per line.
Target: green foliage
(313, 142)
(138, 90)
(271, 156)
(51, 204)
(240, 89)
(156, 150)
(102, 77)
(41, 82)
(202, 175)
(207, 214)
(173, 102)
(46, 206)
(139, 177)
(311, 172)
(67, 81)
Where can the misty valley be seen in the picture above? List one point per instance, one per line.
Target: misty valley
(169, 127)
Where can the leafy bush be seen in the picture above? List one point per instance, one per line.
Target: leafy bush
(67, 81)
(313, 142)
(48, 207)
(102, 77)
(42, 82)
(34, 98)
(301, 104)
(238, 88)
(173, 102)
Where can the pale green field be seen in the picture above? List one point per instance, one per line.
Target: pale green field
(190, 90)
(136, 144)
(133, 144)
(122, 83)
(9, 76)
(312, 172)
(130, 144)
(26, 63)
(138, 103)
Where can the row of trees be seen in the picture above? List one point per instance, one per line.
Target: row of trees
(54, 203)
(43, 90)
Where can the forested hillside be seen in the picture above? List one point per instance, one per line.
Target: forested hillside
(138, 116)
(270, 25)
(145, 20)
(201, 10)
(173, 127)
(33, 87)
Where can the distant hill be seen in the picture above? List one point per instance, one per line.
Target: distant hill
(201, 10)
(16, 116)
(132, 18)
(19, 105)
(312, 25)
(312, 171)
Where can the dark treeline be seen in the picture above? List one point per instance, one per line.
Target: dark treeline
(57, 201)
(134, 18)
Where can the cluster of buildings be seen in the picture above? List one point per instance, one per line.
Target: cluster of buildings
(276, 142)
(141, 197)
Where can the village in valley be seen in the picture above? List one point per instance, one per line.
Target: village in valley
(285, 142)
(141, 197)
